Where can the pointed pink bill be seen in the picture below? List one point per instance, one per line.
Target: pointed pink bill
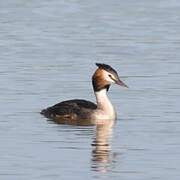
(121, 83)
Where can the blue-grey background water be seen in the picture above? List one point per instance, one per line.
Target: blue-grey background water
(47, 54)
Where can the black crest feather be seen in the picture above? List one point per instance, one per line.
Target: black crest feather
(106, 67)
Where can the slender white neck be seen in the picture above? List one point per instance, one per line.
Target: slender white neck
(103, 101)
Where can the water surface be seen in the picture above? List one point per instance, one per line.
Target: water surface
(47, 54)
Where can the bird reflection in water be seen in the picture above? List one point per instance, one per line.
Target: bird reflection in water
(102, 157)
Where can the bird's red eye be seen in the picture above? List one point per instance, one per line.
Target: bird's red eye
(112, 78)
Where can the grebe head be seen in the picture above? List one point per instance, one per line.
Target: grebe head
(104, 76)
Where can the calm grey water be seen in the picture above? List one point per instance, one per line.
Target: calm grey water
(47, 54)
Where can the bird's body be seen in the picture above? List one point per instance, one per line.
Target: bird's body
(82, 110)
(71, 109)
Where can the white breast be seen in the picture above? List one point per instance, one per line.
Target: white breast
(105, 109)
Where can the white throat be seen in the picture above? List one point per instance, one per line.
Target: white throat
(104, 105)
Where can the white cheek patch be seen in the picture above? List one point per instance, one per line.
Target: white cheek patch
(107, 78)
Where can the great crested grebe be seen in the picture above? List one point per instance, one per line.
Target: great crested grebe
(78, 109)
